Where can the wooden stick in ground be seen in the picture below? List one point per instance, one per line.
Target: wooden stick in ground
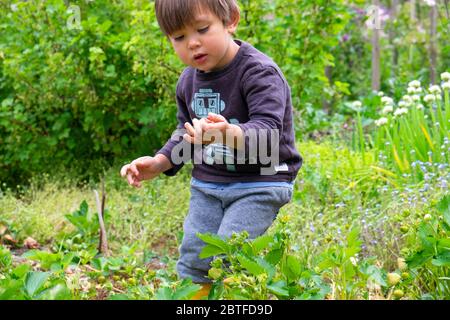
(103, 245)
(376, 47)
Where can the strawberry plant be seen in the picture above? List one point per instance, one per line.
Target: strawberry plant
(262, 268)
(429, 262)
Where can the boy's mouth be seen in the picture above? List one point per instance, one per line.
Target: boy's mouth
(200, 57)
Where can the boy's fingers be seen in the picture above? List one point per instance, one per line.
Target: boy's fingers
(188, 138)
(198, 131)
(133, 168)
(123, 171)
(190, 130)
(215, 117)
(130, 179)
(197, 126)
(216, 126)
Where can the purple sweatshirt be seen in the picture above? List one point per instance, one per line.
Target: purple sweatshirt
(250, 92)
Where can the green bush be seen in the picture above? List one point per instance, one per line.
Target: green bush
(89, 94)
(84, 93)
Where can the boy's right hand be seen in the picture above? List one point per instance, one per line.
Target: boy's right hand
(143, 168)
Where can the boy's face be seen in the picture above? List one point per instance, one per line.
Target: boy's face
(205, 44)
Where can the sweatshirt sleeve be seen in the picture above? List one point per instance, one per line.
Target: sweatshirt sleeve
(177, 137)
(265, 93)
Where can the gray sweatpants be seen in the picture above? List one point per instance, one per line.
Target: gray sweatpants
(223, 212)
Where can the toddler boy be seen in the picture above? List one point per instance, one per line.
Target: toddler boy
(235, 121)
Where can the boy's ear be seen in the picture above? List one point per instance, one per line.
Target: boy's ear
(234, 21)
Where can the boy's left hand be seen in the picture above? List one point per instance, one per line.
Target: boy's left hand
(203, 130)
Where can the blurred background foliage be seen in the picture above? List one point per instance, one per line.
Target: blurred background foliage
(85, 94)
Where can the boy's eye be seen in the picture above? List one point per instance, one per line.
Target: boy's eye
(203, 30)
(179, 38)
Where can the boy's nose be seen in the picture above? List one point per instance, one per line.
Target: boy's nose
(193, 43)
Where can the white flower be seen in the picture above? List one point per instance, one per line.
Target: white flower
(387, 109)
(381, 121)
(411, 90)
(429, 98)
(407, 98)
(446, 86)
(400, 111)
(381, 94)
(416, 97)
(445, 76)
(430, 3)
(354, 261)
(387, 101)
(403, 104)
(418, 90)
(420, 106)
(414, 84)
(435, 89)
(357, 104)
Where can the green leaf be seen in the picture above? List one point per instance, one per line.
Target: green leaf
(352, 238)
(261, 243)
(247, 249)
(292, 268)
(419, 258)
(376, 275)
(214, 240)
(274, 256)
(215, 245)
(100, 263)
(425, 232)
(442, 260)
(11, 289)
(269, 268)
(444, 207)
(279, 288)
(20, 271)
(186, 291)
(34, 281)
(210, 251)
(164, 293)
(84, 208)
(251, 266)
(57, 292)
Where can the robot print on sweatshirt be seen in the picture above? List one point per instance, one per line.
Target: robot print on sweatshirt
(205, 101)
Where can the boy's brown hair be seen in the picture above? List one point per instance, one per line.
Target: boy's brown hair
(173, 15)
